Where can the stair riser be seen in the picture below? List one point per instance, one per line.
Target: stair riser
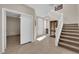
(70, 25)
(70, 38)
(70, 31)
(71, 28)
(70, 34)
(70, 43)
(69, 48)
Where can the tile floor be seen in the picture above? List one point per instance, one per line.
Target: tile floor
(45, 46)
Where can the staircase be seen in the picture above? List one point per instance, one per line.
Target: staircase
(70, 37)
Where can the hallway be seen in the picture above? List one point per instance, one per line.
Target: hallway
(45, 46)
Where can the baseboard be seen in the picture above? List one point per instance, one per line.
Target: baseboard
(14, 35)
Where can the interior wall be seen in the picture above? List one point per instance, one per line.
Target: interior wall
(70, 12)
(17, 7)
(13, 26)
(40, 26)
(0, 32)
(55, 15)
(45, 26)
(78, 12)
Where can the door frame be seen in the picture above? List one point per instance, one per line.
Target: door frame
(4, 10)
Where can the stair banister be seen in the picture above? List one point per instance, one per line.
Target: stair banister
(59, 28)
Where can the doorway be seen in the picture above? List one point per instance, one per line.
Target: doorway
(53, 26)
(23, 28)
(12, 30)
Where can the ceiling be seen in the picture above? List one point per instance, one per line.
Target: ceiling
(41, 10)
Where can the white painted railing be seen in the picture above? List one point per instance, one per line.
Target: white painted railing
(59, 28)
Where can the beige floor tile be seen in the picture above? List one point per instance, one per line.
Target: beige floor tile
(46, 46)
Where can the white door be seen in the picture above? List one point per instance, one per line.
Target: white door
(26, 29)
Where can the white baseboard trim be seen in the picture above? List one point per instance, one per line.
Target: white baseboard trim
(13, 35)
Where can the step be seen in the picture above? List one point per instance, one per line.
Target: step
(70, 28)
(74, 31)
(70, 25)
(75, 43)
(70, 37)
(68, 46)
(70, 34)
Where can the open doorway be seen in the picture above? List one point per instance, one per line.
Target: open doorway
(16, 24)
(42, 28)
(12, 30)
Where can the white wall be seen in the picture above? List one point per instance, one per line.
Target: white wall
(55, 15)
(48, 26)
(70, 12)
(40, 26)
(45, 26)
(78, 12)
(13, 26)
